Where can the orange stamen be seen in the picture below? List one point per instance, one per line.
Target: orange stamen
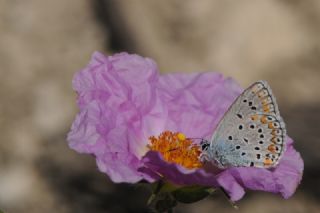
(176, 148)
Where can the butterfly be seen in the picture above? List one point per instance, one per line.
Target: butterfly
(250, 134)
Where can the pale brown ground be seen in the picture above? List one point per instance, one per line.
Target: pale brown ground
(43, 43)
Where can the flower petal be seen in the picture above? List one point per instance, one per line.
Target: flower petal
(117, 79)
(115, 95)
(196, 102)
(154, 164)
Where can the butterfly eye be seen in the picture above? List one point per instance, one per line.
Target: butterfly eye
(204, 146)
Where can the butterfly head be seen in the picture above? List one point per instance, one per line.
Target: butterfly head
(209, 154)
(204, 144)
(213, 153)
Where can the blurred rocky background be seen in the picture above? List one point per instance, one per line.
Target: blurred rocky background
(43, 43)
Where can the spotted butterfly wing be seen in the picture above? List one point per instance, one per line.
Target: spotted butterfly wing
(251, 133)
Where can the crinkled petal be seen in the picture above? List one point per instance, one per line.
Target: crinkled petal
(115, 96)
(117, 79)
(84, 135)
(231, 186)
(196, 101)
(121, 167)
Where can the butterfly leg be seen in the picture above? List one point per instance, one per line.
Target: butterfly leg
(204, 157)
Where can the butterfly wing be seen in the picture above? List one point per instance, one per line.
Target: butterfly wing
(251, 132)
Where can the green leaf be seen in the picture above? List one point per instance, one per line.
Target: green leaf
(191, 194)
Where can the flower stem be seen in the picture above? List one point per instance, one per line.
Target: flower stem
(155, 192)
(158, 187)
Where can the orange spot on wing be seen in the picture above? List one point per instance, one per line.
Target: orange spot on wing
(267, 162)
(270, 126)
(254, 117)
(272, 148)
(266, 108)
(263, 119)
(254, 89)
(274, 132)
(261, 94)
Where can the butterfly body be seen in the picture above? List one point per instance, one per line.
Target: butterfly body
(251, 133)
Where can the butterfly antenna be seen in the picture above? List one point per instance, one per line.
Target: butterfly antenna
(202, 139)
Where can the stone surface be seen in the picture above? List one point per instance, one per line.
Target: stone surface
(248, 40)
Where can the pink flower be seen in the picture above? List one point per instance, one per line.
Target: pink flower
(124, 101)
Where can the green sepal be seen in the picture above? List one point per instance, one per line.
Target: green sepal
(162, 202)
(166, 196)
(191, 194)
(161, 199)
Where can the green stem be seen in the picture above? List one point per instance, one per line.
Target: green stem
(154, 193)
(158, 187)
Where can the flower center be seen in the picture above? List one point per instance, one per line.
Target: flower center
(176, 148)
